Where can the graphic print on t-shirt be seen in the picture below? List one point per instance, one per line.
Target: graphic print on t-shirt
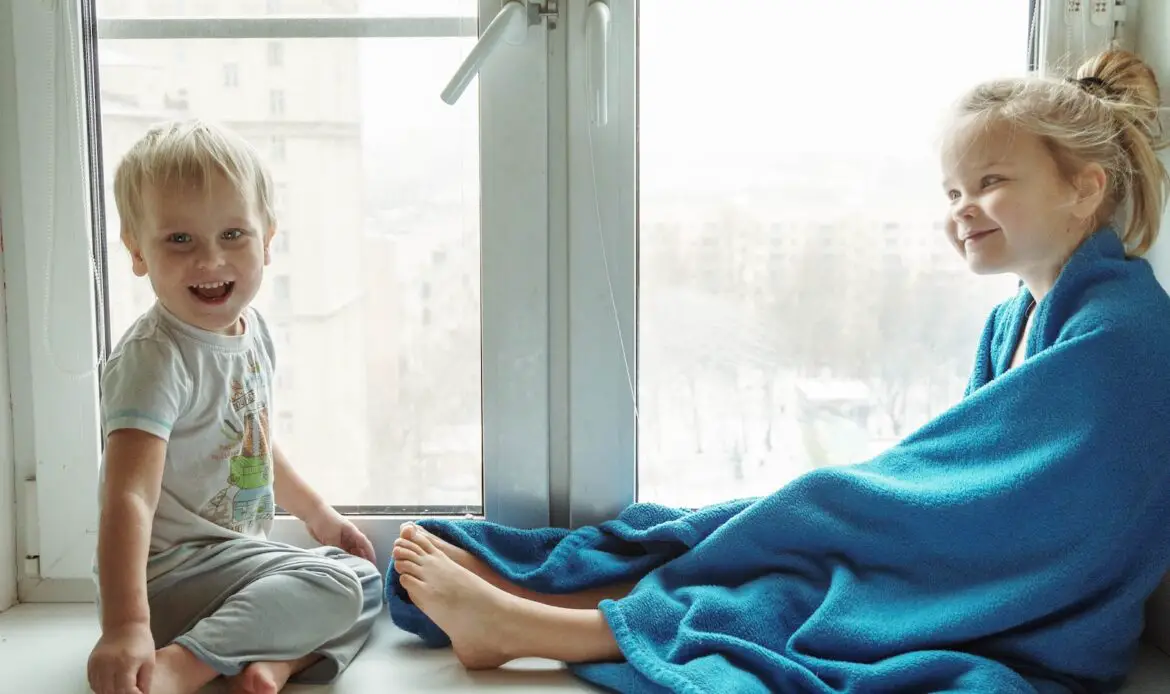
(248, 498)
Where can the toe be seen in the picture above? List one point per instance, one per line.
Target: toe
(410, 582)
(410, 567)
(405, 554)
(408, 545)
(424, 543)
(408, 531)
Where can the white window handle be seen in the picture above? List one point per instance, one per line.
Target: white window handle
(597, 46)
(510, 25)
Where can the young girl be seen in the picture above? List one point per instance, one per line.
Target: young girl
(1008, 545)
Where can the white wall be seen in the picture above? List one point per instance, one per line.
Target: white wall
(8, 517)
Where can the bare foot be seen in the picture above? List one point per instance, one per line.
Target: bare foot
(269, 677)
(585, 599)
(462, 557)
(261, 678)
(178, 671)
(473, 613)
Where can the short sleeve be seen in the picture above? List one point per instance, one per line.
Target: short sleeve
(144, 386)
(264, 337)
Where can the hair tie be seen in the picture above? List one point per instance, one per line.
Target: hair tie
(1093, 85)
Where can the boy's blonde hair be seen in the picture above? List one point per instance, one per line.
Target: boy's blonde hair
(188, 154)
(1108, 115)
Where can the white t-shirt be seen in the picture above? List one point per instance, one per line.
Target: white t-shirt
(209, 397)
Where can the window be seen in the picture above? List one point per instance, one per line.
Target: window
(279, 153)
(280, 243)
(284, 424)
(275, 54)
(280, 193)
(281, 294)
(749, 373)
(231, 72)
(276, 102)
(373, 143)
(391, 173)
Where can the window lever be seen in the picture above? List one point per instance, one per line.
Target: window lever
(510, 25)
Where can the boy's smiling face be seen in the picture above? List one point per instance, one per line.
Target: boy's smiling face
(204, 250)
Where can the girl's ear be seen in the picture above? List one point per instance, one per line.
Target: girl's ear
(1091, 185)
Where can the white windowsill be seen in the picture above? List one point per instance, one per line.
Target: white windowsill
(44, 648)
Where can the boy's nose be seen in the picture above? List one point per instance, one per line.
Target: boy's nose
(209, 257)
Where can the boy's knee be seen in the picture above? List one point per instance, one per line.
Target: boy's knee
(369, 586)
(348, 594)
(334, 598)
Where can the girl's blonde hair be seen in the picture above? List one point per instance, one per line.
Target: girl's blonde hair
(1108, 114)
(188, 154)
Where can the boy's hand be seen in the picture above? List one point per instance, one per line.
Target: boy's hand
(122, 662)
(333, 529)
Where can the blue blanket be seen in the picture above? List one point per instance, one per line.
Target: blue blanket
(1006, 546)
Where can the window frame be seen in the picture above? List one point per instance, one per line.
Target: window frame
(602, 260)
(514, 117)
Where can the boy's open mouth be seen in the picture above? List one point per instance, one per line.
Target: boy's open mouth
(212, 292)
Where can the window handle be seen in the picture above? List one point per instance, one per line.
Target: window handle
(597, 23)
(510, 26)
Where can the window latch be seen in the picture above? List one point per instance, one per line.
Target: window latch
(543, 9)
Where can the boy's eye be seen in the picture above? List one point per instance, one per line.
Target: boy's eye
(991, 180)
(179, 238)
(232, 234)
(952, 195)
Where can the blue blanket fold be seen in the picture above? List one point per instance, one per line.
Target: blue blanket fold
(1006, 546)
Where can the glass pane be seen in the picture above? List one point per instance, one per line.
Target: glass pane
(799, 306)
(373, 291)
(248, 8)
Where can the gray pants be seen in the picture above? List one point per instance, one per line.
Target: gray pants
(243, 601)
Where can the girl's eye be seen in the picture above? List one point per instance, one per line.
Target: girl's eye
(179, 238)
(952, 195)
(991, 180)
(232, 234)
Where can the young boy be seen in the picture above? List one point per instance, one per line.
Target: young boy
(191, 475)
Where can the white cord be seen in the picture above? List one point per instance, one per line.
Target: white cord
(605, 263)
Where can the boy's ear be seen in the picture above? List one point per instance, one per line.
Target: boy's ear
(1091, 186)
(137, 260)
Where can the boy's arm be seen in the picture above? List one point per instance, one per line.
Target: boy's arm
(133, 477)
(324, 523)
(294, 494)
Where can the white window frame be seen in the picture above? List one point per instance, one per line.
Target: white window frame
(602, 259)
(56, 451)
